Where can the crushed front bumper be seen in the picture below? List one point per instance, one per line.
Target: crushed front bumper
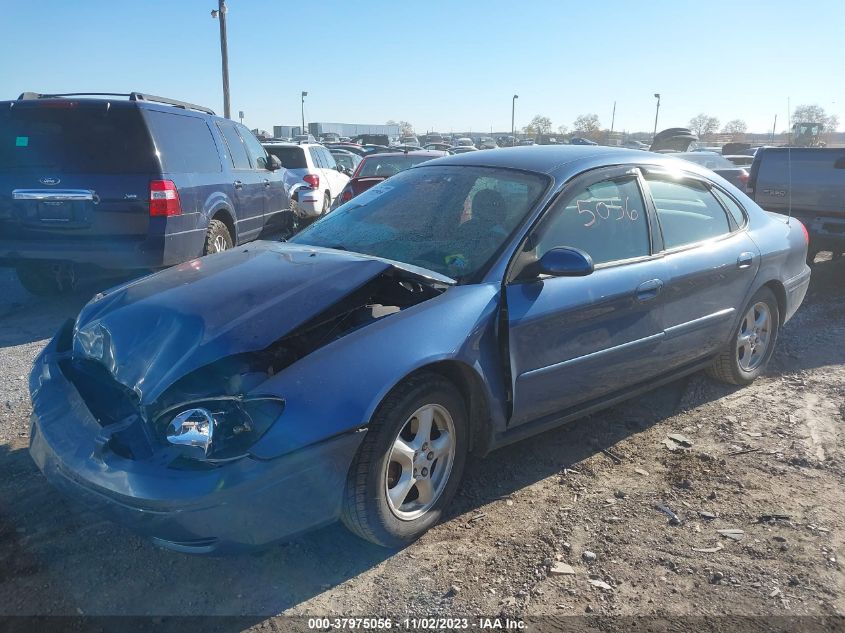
(237, 505)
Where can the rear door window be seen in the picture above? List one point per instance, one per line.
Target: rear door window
(184, 143)
(316, 158)
(290, 157)
(70, 138)
(328, 160)
(687, 211)
(237, 151)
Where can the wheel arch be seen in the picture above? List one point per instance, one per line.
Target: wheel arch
(224, 215)
(779, 291)
(470, 384)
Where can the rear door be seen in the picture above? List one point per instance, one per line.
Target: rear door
(249, 194)
(576, 339)
(337, 179)
(710, 259)
(74, 171)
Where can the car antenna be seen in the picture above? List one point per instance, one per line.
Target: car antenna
(789, 162)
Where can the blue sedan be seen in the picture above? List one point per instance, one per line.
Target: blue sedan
(461, 305)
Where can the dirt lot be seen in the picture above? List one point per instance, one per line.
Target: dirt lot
(767, 460)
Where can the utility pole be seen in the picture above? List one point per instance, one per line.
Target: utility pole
(220, 14)
(656, 112)
(774, 128)
(612, 122)
(304, 94)
(513, 118)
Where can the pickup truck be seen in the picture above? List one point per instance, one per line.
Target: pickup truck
(809, 184)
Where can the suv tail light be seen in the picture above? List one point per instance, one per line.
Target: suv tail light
(313, 180)
(743, 178)
(164, 198)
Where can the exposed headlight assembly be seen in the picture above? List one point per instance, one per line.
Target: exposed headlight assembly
(219, 429)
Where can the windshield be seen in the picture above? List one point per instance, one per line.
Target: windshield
(387, 165)
(450, 219)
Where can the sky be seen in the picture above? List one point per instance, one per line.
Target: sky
(441, 65)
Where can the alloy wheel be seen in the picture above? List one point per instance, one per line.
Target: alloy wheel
(754, 335)
(220, 244)
(420, 462)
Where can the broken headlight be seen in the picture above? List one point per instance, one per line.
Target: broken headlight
(219, 429)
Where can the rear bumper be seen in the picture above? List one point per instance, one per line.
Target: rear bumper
(238, 505)
(156, 251)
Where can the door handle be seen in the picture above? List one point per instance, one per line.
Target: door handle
(744, 260)
(266, 182)
(239, 184)
(649, 289)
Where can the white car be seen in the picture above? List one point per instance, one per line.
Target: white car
(464, 142)
(313, 178)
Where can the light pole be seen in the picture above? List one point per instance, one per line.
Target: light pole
(220, 14)
(656, 112)
(304, 94)
(513, 118)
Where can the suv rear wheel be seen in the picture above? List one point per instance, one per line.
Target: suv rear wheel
(47, 279)
(217, 238)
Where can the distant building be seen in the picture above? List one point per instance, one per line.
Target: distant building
(286, 131)
(352, 129)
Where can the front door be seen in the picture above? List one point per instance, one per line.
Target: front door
(250, 197)
(575, 339)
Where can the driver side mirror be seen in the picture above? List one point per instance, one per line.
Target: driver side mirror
(273, 162)
(563, 261)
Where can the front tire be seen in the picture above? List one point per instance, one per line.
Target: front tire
(752, 344)
(410, 463)
(327, 204)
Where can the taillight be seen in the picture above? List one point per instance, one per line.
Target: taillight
(346, 195)
(804, 230)
(743, 178)
(164, 198)
(313, 180)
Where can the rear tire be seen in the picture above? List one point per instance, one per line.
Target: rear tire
(217, 238)
(374, 506)
(46, 279)
(752, 343)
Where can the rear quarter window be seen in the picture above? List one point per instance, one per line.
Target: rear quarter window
(184, 143)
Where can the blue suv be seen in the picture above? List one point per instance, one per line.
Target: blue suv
(92, 183)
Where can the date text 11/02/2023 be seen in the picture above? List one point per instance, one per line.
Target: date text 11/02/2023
(416, 624)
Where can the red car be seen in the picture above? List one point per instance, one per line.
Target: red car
(378, 167)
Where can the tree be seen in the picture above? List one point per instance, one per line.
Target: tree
(539, 125)
(588, 126)
(562, 128)
(736, 127)
(815, 114)
(704, 125)
(405, 128)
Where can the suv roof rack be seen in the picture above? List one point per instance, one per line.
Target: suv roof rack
(133, 96)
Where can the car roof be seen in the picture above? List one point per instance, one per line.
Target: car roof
(563, 162)
(424, 152)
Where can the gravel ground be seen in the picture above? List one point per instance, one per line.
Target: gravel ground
(565, 523)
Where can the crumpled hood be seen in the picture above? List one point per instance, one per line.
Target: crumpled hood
(151, 332)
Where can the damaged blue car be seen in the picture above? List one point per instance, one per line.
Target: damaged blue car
(461, 305)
